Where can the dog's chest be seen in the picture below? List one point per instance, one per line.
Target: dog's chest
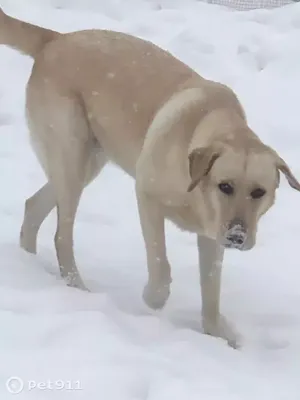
(183, 217)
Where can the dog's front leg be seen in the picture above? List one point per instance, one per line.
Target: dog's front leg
(210, 260)
(157, 290)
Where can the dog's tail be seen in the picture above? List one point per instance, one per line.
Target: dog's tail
(27, 38)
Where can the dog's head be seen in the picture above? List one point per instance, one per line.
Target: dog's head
(237, 187)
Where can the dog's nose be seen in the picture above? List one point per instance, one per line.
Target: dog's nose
(236, 239)
(236, 234)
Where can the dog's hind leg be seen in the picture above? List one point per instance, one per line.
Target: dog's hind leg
(71, 157)
(37, 208)
(67, 178)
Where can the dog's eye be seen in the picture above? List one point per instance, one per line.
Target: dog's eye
(257, 193)
(226, 188)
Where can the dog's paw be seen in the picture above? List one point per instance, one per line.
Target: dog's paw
(223, 329)
(156, 296)
(76, 282)
(27, 243)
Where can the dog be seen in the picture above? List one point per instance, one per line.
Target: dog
(96, 96)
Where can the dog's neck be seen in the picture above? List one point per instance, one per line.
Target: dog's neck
(220, 123)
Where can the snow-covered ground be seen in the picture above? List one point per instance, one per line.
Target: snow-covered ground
(107, 344)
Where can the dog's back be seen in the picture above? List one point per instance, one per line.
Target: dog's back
(121, 80)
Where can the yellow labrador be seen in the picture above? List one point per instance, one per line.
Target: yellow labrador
(97, 96)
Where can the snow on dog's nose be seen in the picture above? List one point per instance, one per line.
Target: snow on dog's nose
(236, 234)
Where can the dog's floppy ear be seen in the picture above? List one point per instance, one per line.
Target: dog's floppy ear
(282, 166)
(201, 161)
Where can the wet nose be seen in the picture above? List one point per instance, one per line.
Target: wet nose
(236, 238)
(236, 233)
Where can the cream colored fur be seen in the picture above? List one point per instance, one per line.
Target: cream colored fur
(97, 96)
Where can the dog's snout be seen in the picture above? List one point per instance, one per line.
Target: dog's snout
(237, 223)
(236, 234)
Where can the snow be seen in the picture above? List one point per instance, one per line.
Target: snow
(66, 344)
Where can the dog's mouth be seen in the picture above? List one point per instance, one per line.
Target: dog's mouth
(229, 245)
